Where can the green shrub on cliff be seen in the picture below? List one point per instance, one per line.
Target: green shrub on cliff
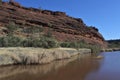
(47, 42)
(43, 42)
(10, 41)
(65, 44)
(31, 42)
(79, 44)
(95, 49)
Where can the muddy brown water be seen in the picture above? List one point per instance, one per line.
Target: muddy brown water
(83, 68)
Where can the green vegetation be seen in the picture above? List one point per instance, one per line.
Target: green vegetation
(47, 42)
(82, 44)
(114, 43)
(95, 49)
(12, 41)
(42, 40)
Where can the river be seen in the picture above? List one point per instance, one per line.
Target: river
(83, 68)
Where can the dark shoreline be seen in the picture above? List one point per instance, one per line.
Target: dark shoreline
(110, 49)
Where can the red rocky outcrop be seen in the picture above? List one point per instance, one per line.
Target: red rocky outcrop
(63, 26)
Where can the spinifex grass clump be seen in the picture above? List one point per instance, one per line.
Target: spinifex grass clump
(42, 40)
(12, 41)
(95, 49)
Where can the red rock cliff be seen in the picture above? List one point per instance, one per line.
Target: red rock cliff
(63, 27)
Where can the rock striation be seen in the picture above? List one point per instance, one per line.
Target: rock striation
(63, 27)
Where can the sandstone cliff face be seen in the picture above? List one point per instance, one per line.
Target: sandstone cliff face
(63, 27)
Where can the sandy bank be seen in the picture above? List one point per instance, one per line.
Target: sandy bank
(9, 56)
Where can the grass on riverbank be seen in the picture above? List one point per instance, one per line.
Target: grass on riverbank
(20, 55)
(45, 40)
(95, 49)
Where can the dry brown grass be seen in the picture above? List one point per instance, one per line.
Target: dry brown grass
(36, 55)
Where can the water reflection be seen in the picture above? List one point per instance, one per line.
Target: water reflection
(70, 69)
(110, 68)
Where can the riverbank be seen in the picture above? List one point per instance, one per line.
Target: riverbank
(8, 71)
(18, 55)
(110, 49)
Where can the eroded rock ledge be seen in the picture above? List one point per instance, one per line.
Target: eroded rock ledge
(63, 27)
(10, 56)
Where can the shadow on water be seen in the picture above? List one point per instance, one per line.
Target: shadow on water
(69, 69)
